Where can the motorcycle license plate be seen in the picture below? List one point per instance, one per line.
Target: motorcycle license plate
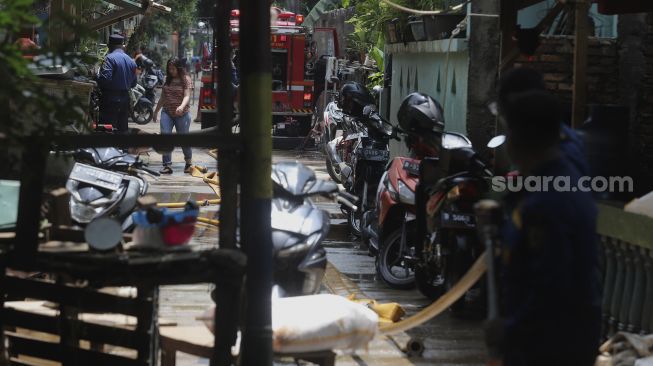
(95, 176)
(411, 168)
(375, 154)
(457, 220)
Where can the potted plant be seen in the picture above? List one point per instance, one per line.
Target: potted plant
(440, 26)
(417, 27)
(393, 32)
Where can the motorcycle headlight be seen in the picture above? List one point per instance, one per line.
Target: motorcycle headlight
(405, 194)
(304, 247)
(82, 212)
(383, 183)
(391, 190)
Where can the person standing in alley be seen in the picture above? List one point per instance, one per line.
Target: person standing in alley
(549, 259)
(116, 77)
(175, 100)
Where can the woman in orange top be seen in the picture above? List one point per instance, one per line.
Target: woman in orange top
(175, 98)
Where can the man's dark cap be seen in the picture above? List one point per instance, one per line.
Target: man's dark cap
(116, 39)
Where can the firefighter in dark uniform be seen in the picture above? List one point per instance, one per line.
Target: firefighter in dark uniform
(116, 77)
(549, 259)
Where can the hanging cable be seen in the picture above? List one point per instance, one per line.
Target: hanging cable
(424, 12)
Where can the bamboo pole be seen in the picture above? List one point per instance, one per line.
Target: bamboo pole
(256, 166)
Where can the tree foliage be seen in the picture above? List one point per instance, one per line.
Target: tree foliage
(28, 109)
(160, 25)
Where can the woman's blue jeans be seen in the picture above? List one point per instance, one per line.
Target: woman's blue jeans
(181, 125)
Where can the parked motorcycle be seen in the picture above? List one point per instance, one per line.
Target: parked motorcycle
(141, 108)
(390, 229)
(450, 186)
(299, 227)
(359, 157)
(149, 83)
(105, 182)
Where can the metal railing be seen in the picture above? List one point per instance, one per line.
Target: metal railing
(627, 270)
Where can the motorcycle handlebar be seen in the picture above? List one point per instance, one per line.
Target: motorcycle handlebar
(150, 171)
(348, 196)
(346, 202)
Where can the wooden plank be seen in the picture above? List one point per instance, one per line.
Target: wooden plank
(31, 361)
(32, 321)
(579, 92)
(21, 345)
(86, 300)
(95, 333)
(625, 226)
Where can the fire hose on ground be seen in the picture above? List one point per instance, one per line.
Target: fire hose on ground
(472, 276)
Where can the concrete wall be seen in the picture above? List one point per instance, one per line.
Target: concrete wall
(420, 66)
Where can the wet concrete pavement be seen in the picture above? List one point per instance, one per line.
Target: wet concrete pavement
(447, 340)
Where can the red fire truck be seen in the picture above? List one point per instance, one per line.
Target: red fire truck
(295, 50)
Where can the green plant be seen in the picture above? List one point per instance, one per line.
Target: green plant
(30, 114)
(161, 25)
(375, 79)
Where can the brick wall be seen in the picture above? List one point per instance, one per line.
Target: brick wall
(642, 126)
(555, 59)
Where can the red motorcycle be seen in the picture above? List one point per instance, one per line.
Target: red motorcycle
(390, 229)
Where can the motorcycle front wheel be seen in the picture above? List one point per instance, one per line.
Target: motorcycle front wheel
(332, 172)
(391, 263)
(142, 113)
(354, 220)
(428, 283)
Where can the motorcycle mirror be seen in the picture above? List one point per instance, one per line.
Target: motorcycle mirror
(103, 233)
(369, 109)
(496, 141)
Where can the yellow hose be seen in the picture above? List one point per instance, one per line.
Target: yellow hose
(209, 221)
(202, 203)
(445, 301)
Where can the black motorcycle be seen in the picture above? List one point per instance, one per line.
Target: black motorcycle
(446, 224)
(369, 159)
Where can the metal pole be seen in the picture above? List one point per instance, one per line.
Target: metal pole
(489, 218)
(227, 296)
(256, 122)
(226, 160)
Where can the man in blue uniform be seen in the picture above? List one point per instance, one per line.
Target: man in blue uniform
(116, 77)
(549, 277)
